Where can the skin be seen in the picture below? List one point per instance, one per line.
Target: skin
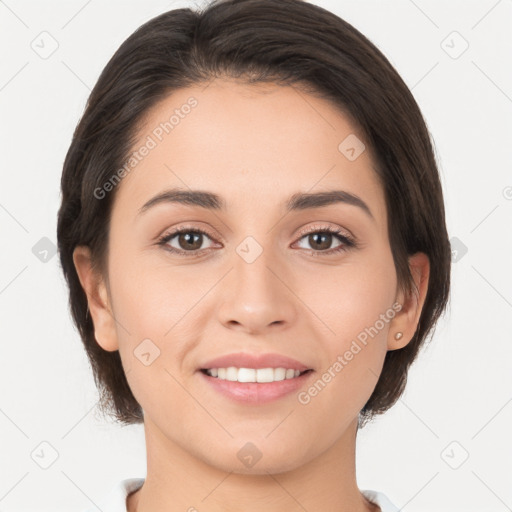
(255, 146)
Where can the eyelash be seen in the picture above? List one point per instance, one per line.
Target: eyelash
(347, 241)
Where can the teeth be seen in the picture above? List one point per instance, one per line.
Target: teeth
(253, 375)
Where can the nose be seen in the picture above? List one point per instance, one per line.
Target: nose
(258, 294)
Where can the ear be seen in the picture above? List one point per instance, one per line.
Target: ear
(97, 298)
(406, 320)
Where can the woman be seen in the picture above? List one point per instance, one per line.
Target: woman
(252, 230)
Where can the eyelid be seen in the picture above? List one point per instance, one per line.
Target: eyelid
(189, 227)
(327, 227)
(311, 229)
(336, 231)
(347, 239)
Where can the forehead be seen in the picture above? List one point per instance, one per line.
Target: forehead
(248, 143)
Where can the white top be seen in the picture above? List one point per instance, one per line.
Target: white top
(115, 501)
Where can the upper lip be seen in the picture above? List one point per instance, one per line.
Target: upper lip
(245, 360)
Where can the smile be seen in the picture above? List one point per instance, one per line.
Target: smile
(260, 375)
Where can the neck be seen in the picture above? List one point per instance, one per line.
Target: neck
(178, 481)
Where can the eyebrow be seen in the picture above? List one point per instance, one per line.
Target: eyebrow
(297, 202)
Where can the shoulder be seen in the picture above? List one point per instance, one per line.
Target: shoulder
(115, 499)
(380, 499)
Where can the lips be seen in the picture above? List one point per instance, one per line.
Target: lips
(256, 361)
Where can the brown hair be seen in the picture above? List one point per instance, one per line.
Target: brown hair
(285, 42)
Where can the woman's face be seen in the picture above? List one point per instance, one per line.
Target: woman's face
(259, 279)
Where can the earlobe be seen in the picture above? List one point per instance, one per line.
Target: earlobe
(97, 298)
(407, 319)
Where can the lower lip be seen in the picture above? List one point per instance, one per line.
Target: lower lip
(256, 392)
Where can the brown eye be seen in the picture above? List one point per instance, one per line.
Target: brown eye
(191, 240)
(185, 240)
(320, 241)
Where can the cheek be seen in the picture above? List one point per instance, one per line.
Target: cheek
(351, 296)
(156, 311)
(355, 302)
(148, 306)
(357, 308)
(149, 296)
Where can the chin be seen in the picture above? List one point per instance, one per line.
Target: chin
(250, 460)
